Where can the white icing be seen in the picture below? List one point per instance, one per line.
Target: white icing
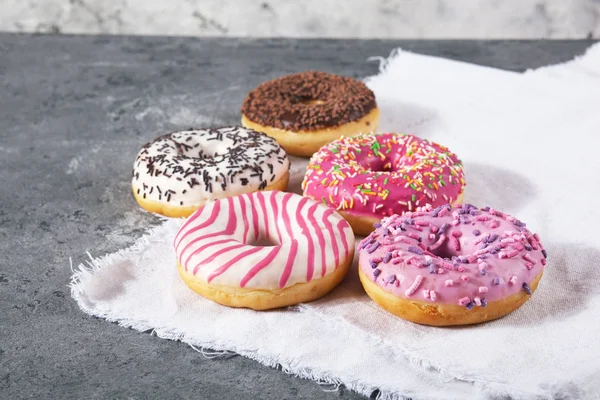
(189, 168)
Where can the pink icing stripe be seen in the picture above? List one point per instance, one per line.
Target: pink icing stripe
(306, 232)
(260, 265)
(227, 265)
(209, 221)
(336, 251)
(263, 207)
(229, 229)
(186, 223)
(275, 207)
(319, 232)
(206, 246)
(244, 218)
(254, 217)
(340, 226)
(287, 271)
(289, 264)
(217, 254)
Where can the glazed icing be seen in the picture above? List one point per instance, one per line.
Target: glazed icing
(221, 242)
(461, 255)
(188, 168)
(383, 174)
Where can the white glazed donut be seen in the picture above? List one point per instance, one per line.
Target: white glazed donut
(179, 172)
(264, 250)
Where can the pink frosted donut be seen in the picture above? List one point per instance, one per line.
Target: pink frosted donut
(451, 266)
(371, 176)
(264, 250)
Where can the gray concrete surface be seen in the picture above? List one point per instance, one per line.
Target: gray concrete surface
(73, 112)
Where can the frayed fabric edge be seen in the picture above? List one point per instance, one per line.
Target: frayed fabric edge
(208, 349)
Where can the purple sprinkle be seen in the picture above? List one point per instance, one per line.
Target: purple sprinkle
(376, 272)
(485, 209)
(470, 305)
(373, 265)
(526, 288)
(432, 269)
(469, 206)
(436, 211)
(474, 212)
(545, 253)
(387, 257)
(463, 260)
(386, 231)
(483, 302)
(373, 247)
(443, 228)
(483, 272)
(463, 210)
(496, 281)
(391, 279)
(518, 223)
(476, 232)
(376, 225)
(415, 250)
(492, 238)
(367, 242)
(409, 221)
(528, 247)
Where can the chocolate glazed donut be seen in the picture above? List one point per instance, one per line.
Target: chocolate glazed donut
(307, 110)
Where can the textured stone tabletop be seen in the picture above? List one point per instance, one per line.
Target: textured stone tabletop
(73, 112)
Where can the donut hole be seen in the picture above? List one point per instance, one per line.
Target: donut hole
(312, 102)
(264, 241)
(377, 164)
(444, 252)
(191, 145)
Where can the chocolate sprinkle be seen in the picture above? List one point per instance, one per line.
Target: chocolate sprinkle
(285, 102)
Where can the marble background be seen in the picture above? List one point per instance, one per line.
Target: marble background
(309, 18)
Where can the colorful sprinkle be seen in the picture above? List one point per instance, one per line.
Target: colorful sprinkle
(414, 286)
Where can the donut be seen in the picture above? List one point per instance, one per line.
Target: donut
(179, 172)
(264, 250)
(307, 110)
(451, 265)
(368, 177)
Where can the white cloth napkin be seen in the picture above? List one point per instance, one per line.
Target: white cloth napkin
(529, 143)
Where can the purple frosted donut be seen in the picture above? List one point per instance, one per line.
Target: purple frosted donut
(451, 265)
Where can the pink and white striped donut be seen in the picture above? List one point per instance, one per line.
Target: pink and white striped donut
(264, 250)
